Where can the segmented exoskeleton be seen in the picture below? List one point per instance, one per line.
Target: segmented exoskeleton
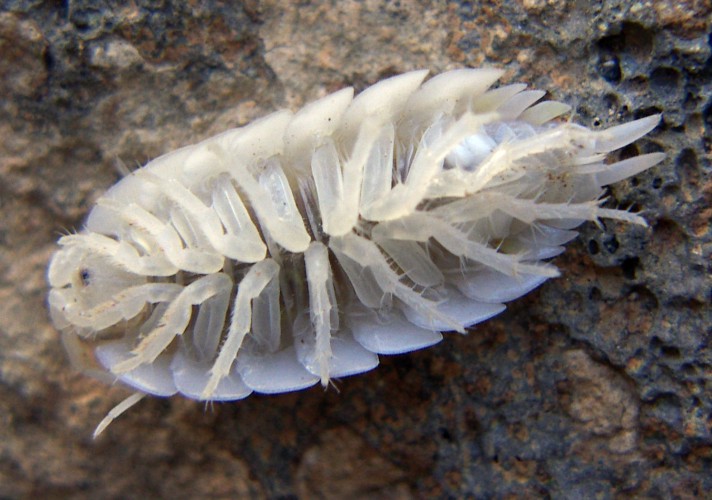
(298, 248)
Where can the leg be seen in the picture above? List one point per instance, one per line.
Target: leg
(250, 288)
(175, 320)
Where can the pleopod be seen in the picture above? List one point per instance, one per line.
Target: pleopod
(298, 248)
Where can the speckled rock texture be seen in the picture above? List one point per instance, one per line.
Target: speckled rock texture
(595, 386)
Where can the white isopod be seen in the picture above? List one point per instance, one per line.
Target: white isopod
(298, 248)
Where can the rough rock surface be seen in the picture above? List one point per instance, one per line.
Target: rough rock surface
(596, 385)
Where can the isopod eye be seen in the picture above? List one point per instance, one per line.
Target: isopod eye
(84, 276)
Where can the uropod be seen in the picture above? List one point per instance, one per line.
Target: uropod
(298, 248)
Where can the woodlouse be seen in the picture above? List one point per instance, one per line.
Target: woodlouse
(298, 248)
